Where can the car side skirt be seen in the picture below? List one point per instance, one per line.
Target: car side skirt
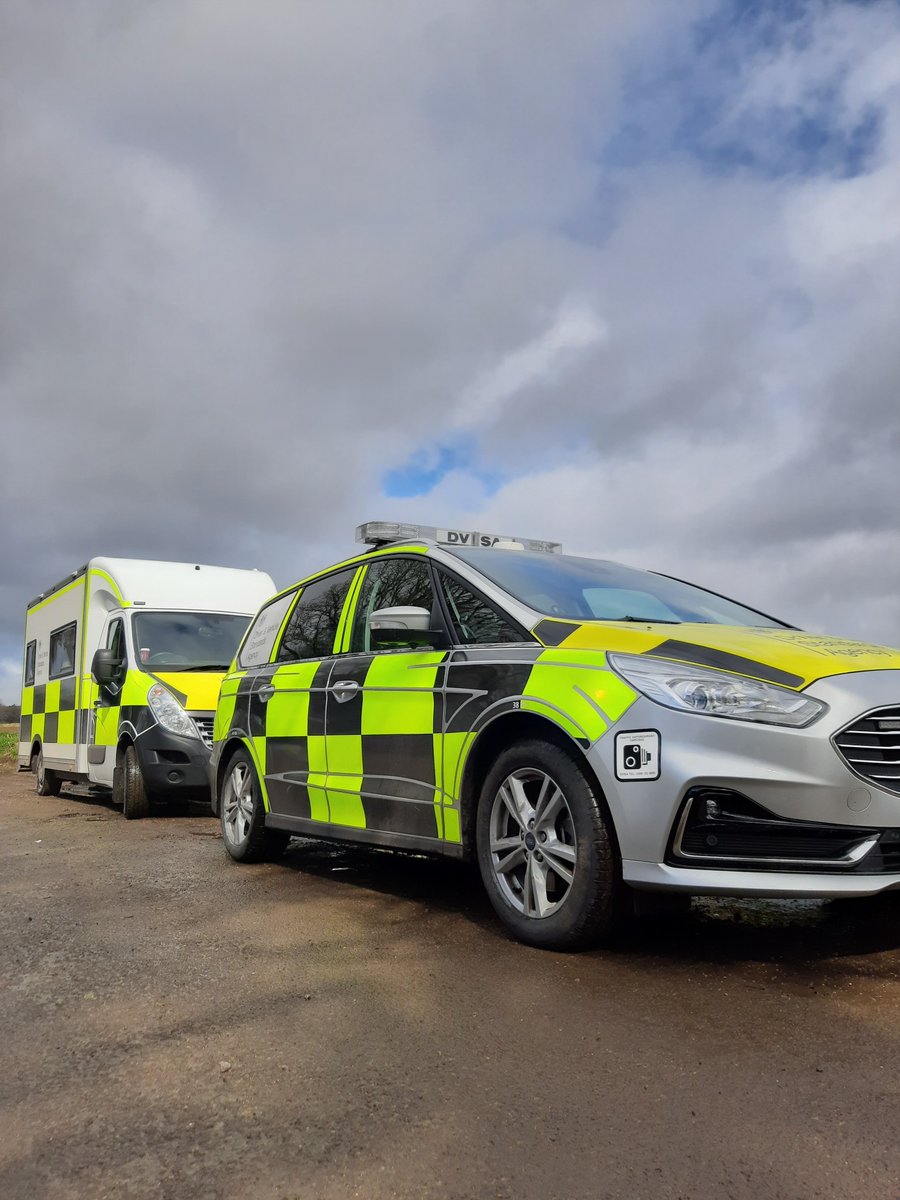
(305, 827)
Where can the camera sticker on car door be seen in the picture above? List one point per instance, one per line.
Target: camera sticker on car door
(637, 754)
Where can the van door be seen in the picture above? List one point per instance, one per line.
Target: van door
(107, 709)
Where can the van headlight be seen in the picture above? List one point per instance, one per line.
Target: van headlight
(169, 712)
(715, 693)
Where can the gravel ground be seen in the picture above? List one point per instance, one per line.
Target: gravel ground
(352, 1022)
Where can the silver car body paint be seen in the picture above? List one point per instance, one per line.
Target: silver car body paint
(794, 773)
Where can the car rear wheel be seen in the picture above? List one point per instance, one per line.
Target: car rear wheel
(243, 814)
(135, 797)
(46, 783)
(545, 851)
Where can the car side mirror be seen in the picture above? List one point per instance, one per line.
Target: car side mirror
(106, 667)
(402, 626)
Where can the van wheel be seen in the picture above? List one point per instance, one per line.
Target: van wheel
(243, 814)
(545, 850)
(46, 782)
(135, 797)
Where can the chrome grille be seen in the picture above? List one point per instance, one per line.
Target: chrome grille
(204, 723)
(871, 747)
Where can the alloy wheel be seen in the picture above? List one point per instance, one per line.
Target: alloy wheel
(237, 804)
(532, 843)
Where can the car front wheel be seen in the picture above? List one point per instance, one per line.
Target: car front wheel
(545, 851)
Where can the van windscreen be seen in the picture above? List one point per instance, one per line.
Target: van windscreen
(187, 641)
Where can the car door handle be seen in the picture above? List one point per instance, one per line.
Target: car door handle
(344, 689)
(266, 692)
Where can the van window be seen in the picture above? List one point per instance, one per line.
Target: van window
(257, 647)
(30, 654)
(313, 625)
(187, 641)
(62, 651)
(115, 639)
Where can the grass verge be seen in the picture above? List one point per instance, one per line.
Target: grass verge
(9, 745)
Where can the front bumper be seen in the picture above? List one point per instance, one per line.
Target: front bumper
(761, 884)
(172, 764)
(828, 832)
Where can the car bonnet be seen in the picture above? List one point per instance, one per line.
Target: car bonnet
(788, 657)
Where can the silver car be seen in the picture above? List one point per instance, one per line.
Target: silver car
(585, 730)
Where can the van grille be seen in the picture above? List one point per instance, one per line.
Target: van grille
(871, 747)
(204, 723)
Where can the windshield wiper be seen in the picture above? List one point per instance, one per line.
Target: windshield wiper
(196, 667)
(642, 620)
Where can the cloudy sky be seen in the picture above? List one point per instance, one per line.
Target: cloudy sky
(620, 273)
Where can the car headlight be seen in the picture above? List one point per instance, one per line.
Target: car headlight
(715, 693)
(169, 712)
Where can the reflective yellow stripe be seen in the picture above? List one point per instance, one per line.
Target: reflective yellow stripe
(342, 641)
(55, 596)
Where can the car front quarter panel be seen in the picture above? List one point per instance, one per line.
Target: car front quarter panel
(794, 773)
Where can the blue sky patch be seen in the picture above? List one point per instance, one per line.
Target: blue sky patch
(428, 465)
(682, 103)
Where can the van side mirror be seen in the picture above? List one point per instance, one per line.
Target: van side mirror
(106, 667)
(401, 626)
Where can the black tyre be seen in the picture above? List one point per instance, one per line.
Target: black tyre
(46, 783)
(118, 787)
(135, 797)
(243, 814)
(546, 854)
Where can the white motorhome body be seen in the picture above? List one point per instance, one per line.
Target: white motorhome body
(168, 632)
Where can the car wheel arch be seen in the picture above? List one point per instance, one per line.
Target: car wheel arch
(503, 731)
(229, 746)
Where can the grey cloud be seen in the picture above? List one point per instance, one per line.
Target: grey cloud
(248, 266)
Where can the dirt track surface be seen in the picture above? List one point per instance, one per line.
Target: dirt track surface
(354, 1023)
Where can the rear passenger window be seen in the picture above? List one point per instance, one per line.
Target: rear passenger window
(62, 651)
(476, 620)
(30, 652)
(313, 625)
(257, 647)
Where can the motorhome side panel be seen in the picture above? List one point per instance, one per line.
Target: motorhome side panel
(51, 700)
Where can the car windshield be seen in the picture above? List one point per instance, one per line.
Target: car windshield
(187, 641)
(588, 589)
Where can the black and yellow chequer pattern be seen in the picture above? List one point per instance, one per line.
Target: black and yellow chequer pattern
(400, 727)
(49, 712)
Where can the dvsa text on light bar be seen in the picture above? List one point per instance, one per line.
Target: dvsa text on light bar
(376, 533)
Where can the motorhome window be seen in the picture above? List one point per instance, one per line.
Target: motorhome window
(187, 641)
(257, 648)
(312, 626)
(30, 654)
(62, 651)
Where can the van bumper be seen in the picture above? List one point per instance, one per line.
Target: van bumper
(173, 765)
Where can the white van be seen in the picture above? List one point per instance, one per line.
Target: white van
(123, 662)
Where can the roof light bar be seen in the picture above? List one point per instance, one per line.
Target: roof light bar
(376, 533)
